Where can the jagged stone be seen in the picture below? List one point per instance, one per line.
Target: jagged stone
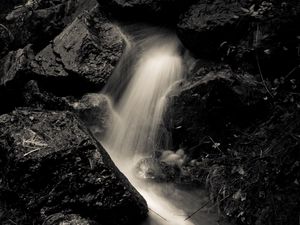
(36, 21)
(71, 219)
(50, 164)
(163, 11)
(213, 104)
(206, 25)
(14, 65)
(87, 50)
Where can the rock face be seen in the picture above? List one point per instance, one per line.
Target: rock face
(96, 112)
(162, 10)
(244, 33)
(213, 103)
(50, 164)
(70, 219)
(36, 21)
(206, 25)
(87, 50)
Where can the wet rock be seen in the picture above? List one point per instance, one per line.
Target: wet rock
(95, 111)
(35, 97)
(256, 36)
(86, 52)
(5, 40)
(153, 169)
(211, 105)
(36, 21)
(50, 164)
(206, 25)
(14, 65)
(150, 10)
(13, 74)
(71, 219)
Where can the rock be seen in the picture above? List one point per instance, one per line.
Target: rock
(205, 25)
(255, 36)
(71, 219)
(213, 104)
(35, 97)
(151, 10)
(14, 65)
(95, 111)
(5, 40)
(86, 51)
(37, 21)
(154, 169)
(13, 74)
(51, 164)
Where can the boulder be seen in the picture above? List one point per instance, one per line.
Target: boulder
(261, 36)
(36, 97)
(162, 11)
(37, 22)
(212, 103)
(14, 65)
(86, 52)
(50, 164)
(95, 110)
(69, 219)
(13, 74)
(205, 25)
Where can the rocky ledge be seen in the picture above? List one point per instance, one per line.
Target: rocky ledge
(50, 164)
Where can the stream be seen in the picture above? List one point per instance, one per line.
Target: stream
(150, 69)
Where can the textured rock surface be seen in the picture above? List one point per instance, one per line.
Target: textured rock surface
(14, 65)
(87, 50)
(50, 164)
(71, 219)
(95, 111)
(163, 11)
(253, 35)
(213, 103)
(36, 21)
(206, 25)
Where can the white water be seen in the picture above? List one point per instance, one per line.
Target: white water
(134, 132)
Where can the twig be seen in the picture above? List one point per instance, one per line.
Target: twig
(191, 215)
(291, 72)
(37, 149)
(262, 78)
(158, 214)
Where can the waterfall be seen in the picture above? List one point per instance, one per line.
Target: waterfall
(141, 106)
(138, 90)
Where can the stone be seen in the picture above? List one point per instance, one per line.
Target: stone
(212, 104)
(205, 25)
(95, 110)
(87, 51)
(51, 164)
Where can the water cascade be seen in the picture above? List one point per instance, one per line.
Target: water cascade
(149, 71)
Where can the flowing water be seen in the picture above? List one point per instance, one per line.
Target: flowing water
(150, 69)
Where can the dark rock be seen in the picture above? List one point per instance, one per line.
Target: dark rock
(154, 169)
(5, 40)
(95, 111)
(13, 75)
(37, 22)
(50, 164)
(265, 164)
(163, 11)
(71, 219)
(35, 97)
(86, 51)
(260, 36)
(14, 65)
(209, 107)
(206, 25)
